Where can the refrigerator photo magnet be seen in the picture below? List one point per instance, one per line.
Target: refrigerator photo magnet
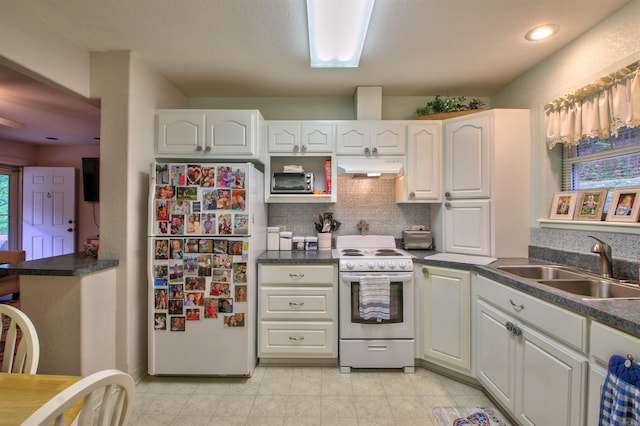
(210, 308)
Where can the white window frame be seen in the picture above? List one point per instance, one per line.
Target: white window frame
(15, 205)
(569, 158)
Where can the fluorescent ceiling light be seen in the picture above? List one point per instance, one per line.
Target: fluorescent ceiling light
(542, 32)
(337, 29)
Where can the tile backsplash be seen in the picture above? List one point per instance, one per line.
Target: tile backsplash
(371, 200)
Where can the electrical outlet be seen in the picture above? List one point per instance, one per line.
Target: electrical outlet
(417, 227)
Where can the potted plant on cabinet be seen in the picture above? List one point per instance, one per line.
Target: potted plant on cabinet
(442, 108)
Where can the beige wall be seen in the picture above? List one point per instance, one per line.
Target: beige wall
(43, 52)
(605, 48)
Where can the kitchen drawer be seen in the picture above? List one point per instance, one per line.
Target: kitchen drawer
(286, 303)
(293, 339)
(297, 274)
(607, 341)
(566, 326)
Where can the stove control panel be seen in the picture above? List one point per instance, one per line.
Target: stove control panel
(376, 265)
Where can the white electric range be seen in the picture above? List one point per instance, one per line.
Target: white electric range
(382, 341)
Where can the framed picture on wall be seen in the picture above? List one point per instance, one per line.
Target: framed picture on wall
(625, 205)
(590, 204)
(563, 205)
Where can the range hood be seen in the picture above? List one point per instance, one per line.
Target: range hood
(384, 167)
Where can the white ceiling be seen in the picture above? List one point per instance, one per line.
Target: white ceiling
(259, 48)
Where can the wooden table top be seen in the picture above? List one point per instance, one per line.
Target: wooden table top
(22, 394)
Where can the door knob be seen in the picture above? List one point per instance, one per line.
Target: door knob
(69, 229)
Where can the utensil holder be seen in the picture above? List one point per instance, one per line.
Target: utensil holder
(324, 241)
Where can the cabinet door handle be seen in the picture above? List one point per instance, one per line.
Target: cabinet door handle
(447, 205)
(207, 148)
(517, 331)
(425, 270)
(296, 148)
(198, 148)
(517, 306)
(375, 150)
(412, 194)
(367, 151)
(447, 194)
(296, 339)
(296, 303)
(297, 275)
(303, 148)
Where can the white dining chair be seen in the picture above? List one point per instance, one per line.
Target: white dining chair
(107, 399)
(21, 353)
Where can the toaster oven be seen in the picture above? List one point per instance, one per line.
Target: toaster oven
(293, 183)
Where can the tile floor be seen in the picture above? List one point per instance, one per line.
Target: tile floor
(301, 396)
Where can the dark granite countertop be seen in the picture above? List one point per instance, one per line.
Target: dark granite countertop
(621, 314)
(297, 256)
(76, 264)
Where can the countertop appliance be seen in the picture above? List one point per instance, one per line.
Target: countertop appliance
(417, 240)
(386, 339)
(292, 182)
(207, 223)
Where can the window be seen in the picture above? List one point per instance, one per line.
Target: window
(9, 217)
(603, 163)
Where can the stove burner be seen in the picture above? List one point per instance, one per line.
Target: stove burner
(350, 250)
(388, 253)
(352, 254)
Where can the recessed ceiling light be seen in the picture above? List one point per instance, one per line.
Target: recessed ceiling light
(542, 32)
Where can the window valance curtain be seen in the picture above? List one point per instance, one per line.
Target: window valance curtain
(597, 110)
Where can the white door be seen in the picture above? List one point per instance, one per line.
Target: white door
(48, 211)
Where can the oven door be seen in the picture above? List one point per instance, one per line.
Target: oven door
(400, 323)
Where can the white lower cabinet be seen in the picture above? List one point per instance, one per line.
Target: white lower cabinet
(298, 311)
(445, 323)
(540, 379)
(605, 342)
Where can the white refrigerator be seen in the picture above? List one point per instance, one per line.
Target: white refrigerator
(207, 224)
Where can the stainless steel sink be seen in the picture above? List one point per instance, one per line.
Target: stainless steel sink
(541, 272)
(594, 288)
(584, 284)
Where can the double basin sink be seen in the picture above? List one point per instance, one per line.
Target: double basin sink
(574, 281)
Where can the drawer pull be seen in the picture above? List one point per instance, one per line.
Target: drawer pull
(377, 347)
(296, 303)
(297, 275)
(296, 339)
(517, 306)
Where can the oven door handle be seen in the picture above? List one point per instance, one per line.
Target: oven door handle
(356, 278)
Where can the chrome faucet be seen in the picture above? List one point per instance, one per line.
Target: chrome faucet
(606, 262)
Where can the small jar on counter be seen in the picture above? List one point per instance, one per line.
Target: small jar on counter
(286, 240)
(298, 243)
(311, 243)
(273, 238)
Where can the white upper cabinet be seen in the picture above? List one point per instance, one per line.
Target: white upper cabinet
(371, 139)
(180, 132)
(300, 137)
(208, 133)
(421, 181)
(467, 158)
(487, 184)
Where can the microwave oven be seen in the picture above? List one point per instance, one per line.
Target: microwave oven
(292, 183)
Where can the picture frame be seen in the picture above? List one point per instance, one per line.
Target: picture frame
(625, 205)
(563, 205)
(590, 204)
